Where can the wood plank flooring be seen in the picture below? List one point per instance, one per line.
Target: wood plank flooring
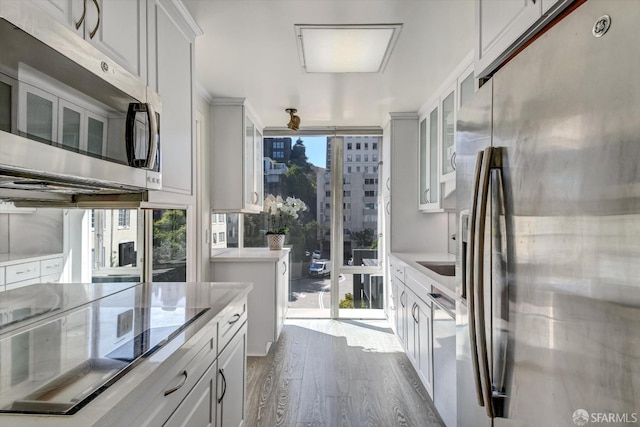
(328, 373)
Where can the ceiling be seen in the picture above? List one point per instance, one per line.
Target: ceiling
(249, 50)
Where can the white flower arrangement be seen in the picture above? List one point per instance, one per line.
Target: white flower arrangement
(279, 212)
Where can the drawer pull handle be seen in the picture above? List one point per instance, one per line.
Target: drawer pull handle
(172, 389)
(234, 318)
(224, 385)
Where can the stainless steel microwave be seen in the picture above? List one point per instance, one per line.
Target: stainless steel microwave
(73, 123)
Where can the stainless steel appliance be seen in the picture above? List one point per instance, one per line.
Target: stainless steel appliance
(72, 122)
(548, 198)
(444, 357)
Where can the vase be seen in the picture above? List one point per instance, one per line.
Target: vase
(276, 241)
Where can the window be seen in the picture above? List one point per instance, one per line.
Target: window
(357, 168)
(370, 206)
(374, 145)
(366, 169)
(370, 218)
(214, 238)
(349, 158)
(328, 194)
(346, 205)
(358, 145)
(374, 157)
(375, 169)
(221, 236)
(370, 193)
(327, 205)
(278, 154)
(348, 169)
(93, 219)
(366, 145)
(358, 158)
(366, 157)
(124, 218)
(349, 146)
(347, 193)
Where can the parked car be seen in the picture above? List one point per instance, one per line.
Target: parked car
(321, 267)
(317, 254)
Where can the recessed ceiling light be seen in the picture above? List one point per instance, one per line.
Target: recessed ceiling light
(346, 48)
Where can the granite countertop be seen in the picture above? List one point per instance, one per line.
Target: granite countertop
(74, 323)
(446, 284)
(249, 255)
(13, 258)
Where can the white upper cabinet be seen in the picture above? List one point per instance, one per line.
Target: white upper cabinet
(117, 28)
(172, 34)
(237, 157)
(503, 26)
(436, 137)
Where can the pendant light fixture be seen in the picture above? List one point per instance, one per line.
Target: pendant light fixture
(294, 122)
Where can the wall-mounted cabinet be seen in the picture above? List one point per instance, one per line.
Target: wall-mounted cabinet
(237, 157)
(171, 39)
(436, 139)
(502, 27)
(116, 28)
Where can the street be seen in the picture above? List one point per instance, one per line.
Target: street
(315, 292)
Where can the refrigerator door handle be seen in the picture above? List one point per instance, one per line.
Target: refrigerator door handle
(483, 362)
(470, 270)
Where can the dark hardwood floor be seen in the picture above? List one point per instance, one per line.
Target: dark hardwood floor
(328, 373)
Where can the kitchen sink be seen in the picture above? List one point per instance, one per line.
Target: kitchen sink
(443, 268)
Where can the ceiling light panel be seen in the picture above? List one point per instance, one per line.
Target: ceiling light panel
(346, 48)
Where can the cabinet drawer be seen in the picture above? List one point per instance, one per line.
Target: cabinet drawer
(50, 278)
(231, 323)
(21, 272)
(176, 384)
(51, 266)
(20, 284)
(1, 276)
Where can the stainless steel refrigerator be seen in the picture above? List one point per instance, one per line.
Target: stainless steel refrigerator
(548, 201)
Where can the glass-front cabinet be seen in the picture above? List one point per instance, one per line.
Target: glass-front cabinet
(448, 134)
(437, 145)
(429, 196)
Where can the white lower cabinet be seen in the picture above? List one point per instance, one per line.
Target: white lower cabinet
(268, 301)
(414, 326)
(231, 383)
(199, 407)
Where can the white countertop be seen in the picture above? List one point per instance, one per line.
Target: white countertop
(249, 255)
(100, 411)
(12, 258)
(446, 284)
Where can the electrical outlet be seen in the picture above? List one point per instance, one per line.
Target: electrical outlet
(125, 323)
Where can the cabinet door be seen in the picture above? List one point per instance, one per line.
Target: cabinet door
(231, 382)
(95, 141)
(173, 74)
(499, 24)
(37, 113)
(198, 409)
(258, 161)
(282, 293)
(429, 195)
(412, 343)
(118, 28)
(448, 132)
(71, 128)
(424, 355)
(251, 195)
(467, 87)
(401, 320)
(62, 11)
